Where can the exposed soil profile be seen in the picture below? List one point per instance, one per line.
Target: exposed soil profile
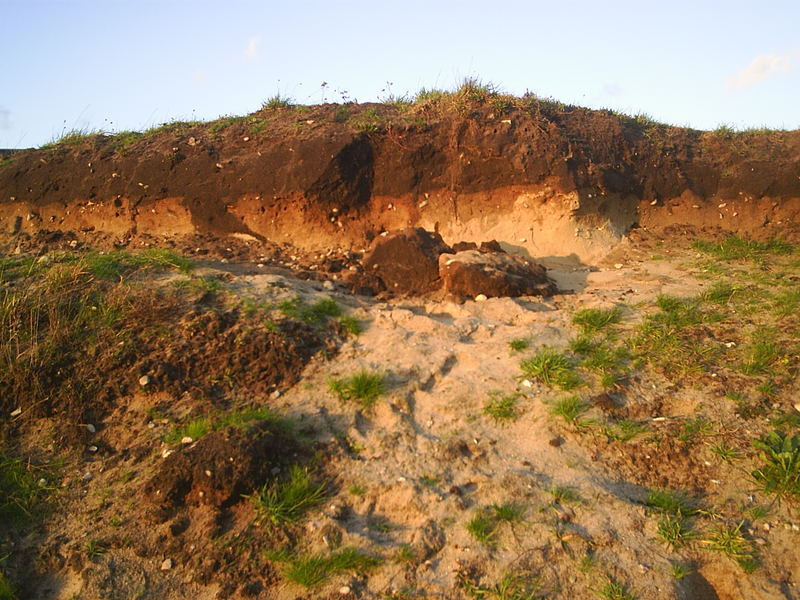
(543, 179)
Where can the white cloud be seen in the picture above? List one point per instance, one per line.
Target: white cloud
(251, 51)
(762, 68)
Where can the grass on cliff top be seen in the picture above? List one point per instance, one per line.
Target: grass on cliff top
(468, 97)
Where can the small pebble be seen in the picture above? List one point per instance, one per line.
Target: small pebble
(618, 265)
(144, 380)
(90, 428)
(186, 440)
(166, 565)
(481, 298)
(345, 589)
(87, 476)
(92, 448)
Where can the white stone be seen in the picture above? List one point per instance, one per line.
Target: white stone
(144, 380)
(166, 564)
(481, 298)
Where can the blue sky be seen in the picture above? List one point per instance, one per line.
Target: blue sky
(113, 65)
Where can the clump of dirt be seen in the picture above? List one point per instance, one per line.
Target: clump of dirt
(407, 261)
(220, 468)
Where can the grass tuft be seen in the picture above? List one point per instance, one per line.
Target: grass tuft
(501, 407)
(365, 387)
(22, 493)
(310, 571)
(594, 320)
(287, 501)
(615, 591)
(674, 503)
(675, 530)
(519, 344)
(277, 101)
(551, 367)
(729, 540)
(570, 409)
(483, 527)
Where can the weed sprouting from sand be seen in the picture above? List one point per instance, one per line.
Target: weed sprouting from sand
(698, 426)
(563, 494)
(615, 591)
(501, 407)
(551, 367)
(351, 325)
(406, 554)
(570, 409)
(519, 344)
(319, 312)
(779, 473)
(681, 570)
(594, 320)
(484, 523)
(671, 502)
(365, 387)
(311, 571)
(482, 526)
(193, 430)
(725, 453)
(729, 540)
(286, 501)
(95, 548)
(624, 430)
(512, 585)
(675, 530)
(510, 512)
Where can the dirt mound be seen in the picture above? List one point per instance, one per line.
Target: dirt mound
(219, 468)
